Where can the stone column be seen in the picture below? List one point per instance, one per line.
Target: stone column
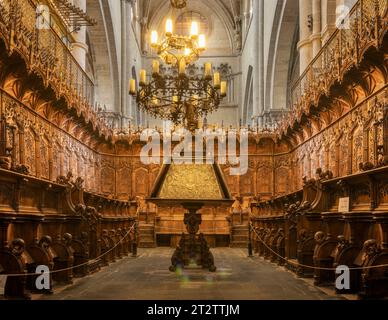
(258, 66)
(328, 17)
(304, 45)
(124, 57)
(80, 49)
(316, 36)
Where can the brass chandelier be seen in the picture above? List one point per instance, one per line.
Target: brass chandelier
(173, 48)
(177, 97)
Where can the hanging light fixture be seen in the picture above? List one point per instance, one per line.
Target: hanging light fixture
(178, 97)
(172, 47)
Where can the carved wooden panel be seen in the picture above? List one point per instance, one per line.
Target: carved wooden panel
(153, 175)
(141, 182)
(382, 196)
(66, 161)
(44, 158)
(5, 196)
(282, 181)
(343, 157)
(30, 150)
(56, 160)
(264, 180)
(90, 175)
(232, 182)
(247, 183)
(108, 180)
(357, 151)
(124, 182)
(74, 163)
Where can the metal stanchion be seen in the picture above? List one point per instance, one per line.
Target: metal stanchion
(134, 243)
(250, 251)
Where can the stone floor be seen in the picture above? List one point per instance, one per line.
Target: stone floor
(147, 278)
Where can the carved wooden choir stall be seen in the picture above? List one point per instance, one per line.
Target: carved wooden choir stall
(72, 192)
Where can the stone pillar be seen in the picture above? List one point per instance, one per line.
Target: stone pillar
(80, 49)
(328, 17)
(258, 66)
(304, 45)
(124, 57)
(316, 36)
(132, 59)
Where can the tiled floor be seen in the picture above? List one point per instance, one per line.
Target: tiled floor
(147, 278)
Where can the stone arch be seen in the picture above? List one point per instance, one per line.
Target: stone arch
(210, 9)
(282, 60)
(103, 53)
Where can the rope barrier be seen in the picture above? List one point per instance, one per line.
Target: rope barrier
(102, 255)
(73, 267)
(297, 264)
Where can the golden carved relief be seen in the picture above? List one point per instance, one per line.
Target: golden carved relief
(191, 181)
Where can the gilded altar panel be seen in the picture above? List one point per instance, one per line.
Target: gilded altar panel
(191, 181)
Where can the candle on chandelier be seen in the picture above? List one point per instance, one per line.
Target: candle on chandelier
(208, 71)
(223, 88)
(155, 101)
(143, 77)
(202, 41)
(154, 38)
(175, 99)
(217, 80)
(155, 68)
(169, 27)
(132, 87)
(194, 30)
(187, 51)
(182, 67)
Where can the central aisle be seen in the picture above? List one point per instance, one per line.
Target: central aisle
(147, 278)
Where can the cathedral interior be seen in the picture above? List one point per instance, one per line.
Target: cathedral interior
(180, 149)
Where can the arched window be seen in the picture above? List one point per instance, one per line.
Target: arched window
(183, 23)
